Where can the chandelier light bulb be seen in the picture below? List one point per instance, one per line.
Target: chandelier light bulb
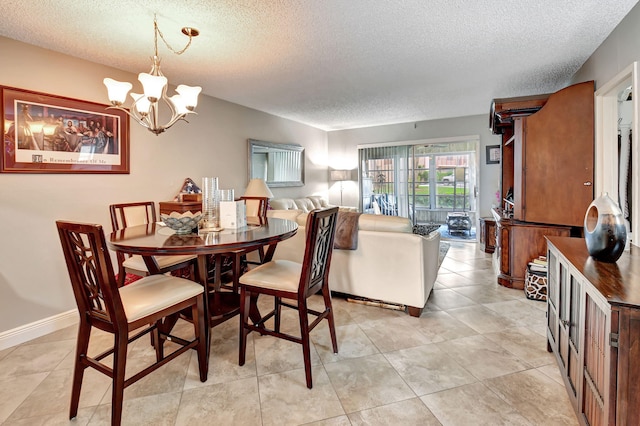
(189, 95)
(153, 85)
(117, 90)
(178, 104)
(141, 103)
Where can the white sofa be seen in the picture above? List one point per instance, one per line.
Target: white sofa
(304, 204)
(391, 264)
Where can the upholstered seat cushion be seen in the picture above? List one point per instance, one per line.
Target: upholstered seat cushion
(155, 293)
(137, 262)
(275, 275)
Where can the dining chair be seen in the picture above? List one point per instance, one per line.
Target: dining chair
(145, 304)
(284, 279)
(142, 213)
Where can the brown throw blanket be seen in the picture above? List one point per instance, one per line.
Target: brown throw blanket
(346, 231)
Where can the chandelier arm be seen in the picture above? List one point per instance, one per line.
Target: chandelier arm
(136, 117)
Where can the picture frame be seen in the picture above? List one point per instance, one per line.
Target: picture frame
(45, 133)
(493, 154)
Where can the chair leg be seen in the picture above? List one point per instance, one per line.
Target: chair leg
(82, 345)
(237, 270)
(326, 294)
(244, 319)
(200, 331)
(278, 309)
(306, 346)
(119, 363)
(157, 341)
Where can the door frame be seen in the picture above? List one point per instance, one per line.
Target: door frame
(606, 147)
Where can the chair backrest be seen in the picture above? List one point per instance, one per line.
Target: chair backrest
(131, 214)
(321, 230)
(256, 207)
(91, 272)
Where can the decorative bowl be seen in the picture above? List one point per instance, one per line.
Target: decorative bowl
(182, 223)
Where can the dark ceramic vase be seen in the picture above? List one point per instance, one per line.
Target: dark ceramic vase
(604, 229)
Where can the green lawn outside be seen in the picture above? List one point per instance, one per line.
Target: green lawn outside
(442, 190)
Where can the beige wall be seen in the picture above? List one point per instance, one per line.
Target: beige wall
(617, 52)
(33, 280)
(343, 150)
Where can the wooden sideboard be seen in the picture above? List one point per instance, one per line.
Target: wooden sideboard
(593, 328)
(517, 243)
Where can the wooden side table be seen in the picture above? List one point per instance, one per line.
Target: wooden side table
(487, 234)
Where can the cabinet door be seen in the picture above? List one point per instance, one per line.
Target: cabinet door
(594, 405)
(557, 166)
(552, 301)
(568, 326)
(628, 369)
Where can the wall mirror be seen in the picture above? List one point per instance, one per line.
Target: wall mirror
(278, 164)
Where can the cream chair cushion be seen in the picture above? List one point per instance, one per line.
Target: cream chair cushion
(275, 275)
(155, 293)
(137, 262)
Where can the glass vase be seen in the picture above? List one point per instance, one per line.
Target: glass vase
(604, 229)
(210, 203)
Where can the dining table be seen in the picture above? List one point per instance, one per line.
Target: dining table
(156, 239)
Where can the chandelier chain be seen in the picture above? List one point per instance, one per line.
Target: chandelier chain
(155, 40)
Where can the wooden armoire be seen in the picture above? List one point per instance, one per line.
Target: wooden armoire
(547, 173)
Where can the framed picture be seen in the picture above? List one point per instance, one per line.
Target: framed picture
(52, 134)
(493, 154)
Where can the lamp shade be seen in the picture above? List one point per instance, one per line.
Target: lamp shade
(340, 175)
(153, 85)
(258, 188)
(117, 90)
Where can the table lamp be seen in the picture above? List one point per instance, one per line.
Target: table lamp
(257, 189)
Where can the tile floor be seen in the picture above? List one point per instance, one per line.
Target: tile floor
(476, 356)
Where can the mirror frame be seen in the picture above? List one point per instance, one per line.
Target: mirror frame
(253, 143)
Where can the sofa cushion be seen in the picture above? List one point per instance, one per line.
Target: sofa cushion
(304, 204)
(316, 200)
(382, 223)
(282, 204)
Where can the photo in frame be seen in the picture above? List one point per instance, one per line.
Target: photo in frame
(493, 154)
(45, 133)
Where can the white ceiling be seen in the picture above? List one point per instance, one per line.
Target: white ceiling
(335, 64)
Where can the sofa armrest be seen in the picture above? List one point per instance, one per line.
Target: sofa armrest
(395, 267)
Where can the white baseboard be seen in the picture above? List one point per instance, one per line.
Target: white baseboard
(39, 328)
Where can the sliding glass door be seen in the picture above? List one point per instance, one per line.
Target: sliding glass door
(422, 181)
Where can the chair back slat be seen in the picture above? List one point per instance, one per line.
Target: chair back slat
(131, 214)
(321, 229)
(90, 271)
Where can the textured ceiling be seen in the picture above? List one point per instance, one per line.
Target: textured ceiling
(335, 64)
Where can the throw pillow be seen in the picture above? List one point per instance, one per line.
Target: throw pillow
(425, 229)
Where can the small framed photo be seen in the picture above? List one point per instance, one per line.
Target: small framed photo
(45, 133)
(493, 154)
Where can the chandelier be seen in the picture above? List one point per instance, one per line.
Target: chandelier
(145, 107)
